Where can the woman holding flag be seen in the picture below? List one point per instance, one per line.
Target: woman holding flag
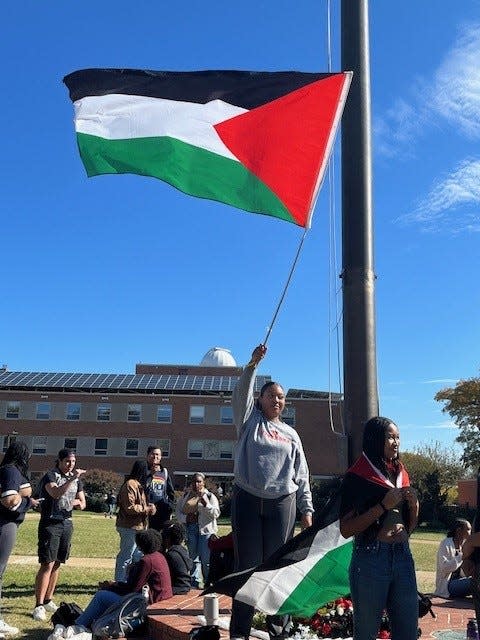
(271, 481)
(380, 509)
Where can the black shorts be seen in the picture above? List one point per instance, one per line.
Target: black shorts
(54, 541)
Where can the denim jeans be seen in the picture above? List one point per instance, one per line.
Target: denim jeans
(197, 544)
(382, 576)
(127, 554)
(97, 606)
(460, 587)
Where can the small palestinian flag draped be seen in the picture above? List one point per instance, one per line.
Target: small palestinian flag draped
(259, 141)
(311, 569)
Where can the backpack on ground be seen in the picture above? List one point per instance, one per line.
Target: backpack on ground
(66, 614)
(122, 618)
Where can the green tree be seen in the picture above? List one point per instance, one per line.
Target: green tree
(98, 482)
(434, 471)
(462, 403)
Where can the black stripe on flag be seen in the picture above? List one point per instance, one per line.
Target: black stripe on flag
(245, 89)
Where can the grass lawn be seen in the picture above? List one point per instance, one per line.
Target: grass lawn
(95, 537)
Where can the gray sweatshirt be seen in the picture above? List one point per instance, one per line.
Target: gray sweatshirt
(269, 457)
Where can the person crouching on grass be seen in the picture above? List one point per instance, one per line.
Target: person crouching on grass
(62, 491)
(152, 570)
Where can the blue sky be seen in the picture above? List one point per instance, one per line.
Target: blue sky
(99, 274)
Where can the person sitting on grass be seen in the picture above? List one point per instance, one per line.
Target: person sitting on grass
(151, 569)
(179, 562)
(450, 580)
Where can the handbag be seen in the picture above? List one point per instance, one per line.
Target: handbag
(66, 614)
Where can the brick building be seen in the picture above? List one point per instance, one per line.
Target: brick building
(111, 419)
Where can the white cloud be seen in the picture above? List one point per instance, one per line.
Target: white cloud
(442, 425)
(453, 95)
(455, 92)
(440, 381)
(397, 130)
(453, 201)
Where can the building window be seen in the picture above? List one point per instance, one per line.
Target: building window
(195, 448)
(164, 413)
(288, 415)
(70, 443)
(165, 447)
(7, 440)
(103, 412)
(39, 445)
(13, 410)
(197, 414)
(226, 449)
(226, 415)
(101, 446)
(134, 413)
(43, 411)
(131, 447)
(73, 411)
(211, 449)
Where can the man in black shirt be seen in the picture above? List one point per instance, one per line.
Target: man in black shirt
(61, 491)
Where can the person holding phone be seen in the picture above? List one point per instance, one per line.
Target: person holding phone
(62, 490)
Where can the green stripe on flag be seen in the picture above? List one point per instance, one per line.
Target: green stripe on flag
(191, 169)
(327, 580)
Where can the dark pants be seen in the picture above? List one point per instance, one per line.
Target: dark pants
(476, 590)
(259, 527)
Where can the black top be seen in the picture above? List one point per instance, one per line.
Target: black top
(180, 566)
(11, 481)
(60, 509)
(160, 492)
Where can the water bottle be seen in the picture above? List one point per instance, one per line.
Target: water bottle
(210, 609)
(472, 629)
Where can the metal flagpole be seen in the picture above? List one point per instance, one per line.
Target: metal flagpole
(359, 348)
(286, 287)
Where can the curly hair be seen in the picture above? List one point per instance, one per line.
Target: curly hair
(148, 540)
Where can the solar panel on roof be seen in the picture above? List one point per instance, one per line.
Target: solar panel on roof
(94, 381)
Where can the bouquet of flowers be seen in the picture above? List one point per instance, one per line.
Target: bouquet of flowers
(334, 620)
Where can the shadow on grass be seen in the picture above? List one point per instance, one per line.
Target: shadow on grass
(62, 593)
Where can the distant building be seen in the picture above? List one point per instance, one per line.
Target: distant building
(467, 492)
(111, 419)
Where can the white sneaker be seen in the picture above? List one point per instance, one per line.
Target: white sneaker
(58, 631)
(39, 614)
(6, 629)
(71, 632)
(51, 607)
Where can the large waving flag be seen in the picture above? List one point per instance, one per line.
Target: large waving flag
(311, 569)
(305, 573)
(259, 141)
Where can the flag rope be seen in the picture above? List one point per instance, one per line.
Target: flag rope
(286, 285)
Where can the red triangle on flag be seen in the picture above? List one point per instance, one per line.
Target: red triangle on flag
(286, 142)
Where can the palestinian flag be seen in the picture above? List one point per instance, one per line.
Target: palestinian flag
(259, 141)
(305, 573)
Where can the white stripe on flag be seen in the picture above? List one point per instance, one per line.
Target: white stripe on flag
(121, 117)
